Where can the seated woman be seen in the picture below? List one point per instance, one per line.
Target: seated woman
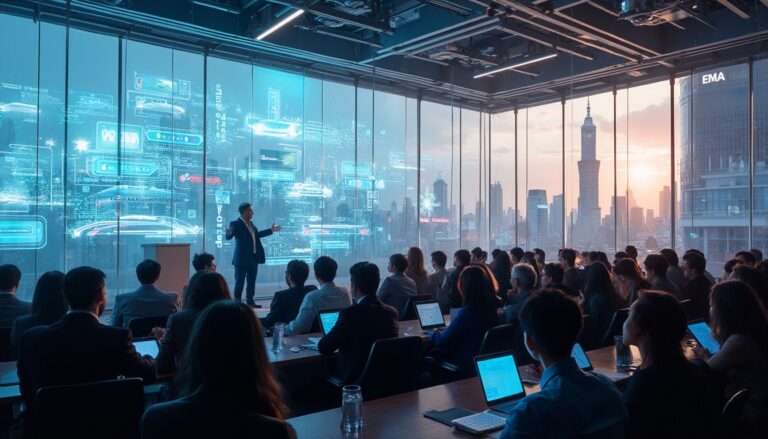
(231, 391)
(630, 279)
(666, 388)
(48, 305)
(738, 322)
(461, 340)
(600, 302)
(208, 288)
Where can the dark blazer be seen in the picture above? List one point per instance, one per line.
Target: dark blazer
(22, 325)
(285, 305)
(573, 279)
(78, 349)
(697, 289)
(600, 311)
(244, 253)
(461, 340)
(146, 301)
(202, 415)
(358, 327)
(11, 308)
(174, 342)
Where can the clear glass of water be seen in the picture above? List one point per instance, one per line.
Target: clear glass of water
(351, 409)
(278, 335)
(623, 354)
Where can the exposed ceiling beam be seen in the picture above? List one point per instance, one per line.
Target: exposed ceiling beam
(544, 39)
(323, 10)
(344, 35)
(736, 7)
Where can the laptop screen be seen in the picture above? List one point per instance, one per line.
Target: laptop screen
(581, 358)
(429, 315)
(703, 335)
(147, 347)
(328, 320)
(499, 377)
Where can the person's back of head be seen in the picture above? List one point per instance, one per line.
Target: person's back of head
(524, 275)
(631, 250)
(398, 262)
(598, 281)
(484, 256)
(736, 309)
(629, 269)
(671, 256)
(48, 301)
(439, 258)
(463, 257)
(477, 254)
(620, 256)
(495, 252)
(660, 319)
(553, 321)
(502, 264)
(365, 278)
(516, 254)
(84, 288)
(203, 261)
(568, 256)
(729, 265)
(227, 354)
(540, 255)
(757, 254)
(298, 271)
(695, 262)
(477, 291)
(10, 276)
(555, 272)
(530, 258)
(658, 264)
(415, 259)
(148, 271)
(752, 277)
(325, 269)
(745, 257)
(209, 288)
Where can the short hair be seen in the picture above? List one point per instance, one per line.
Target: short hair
(208, 288)
(477, 252)
(540, 252)
(729, 264)
(757, 254)
(671, 256)
(366, 278)
(525, 274)
(661, 316)
(243, 207)
(484, 256)
(516, 252)
(657, 263)
(749, 258)
(694, 250)
(325, 268)
(202, 260)
(82, 287)
(148, 271)
(555, 271)
(440, 258)
(399, 262)
(568, 255)
(631, 251)
(299, 271)
(495, 252)
(696, 261)
(10, 276)
(463, 256)
(621, 255)
(553, 320)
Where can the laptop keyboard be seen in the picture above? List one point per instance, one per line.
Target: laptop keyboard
(505, 408)
(480, 422)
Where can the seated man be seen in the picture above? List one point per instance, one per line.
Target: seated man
(328, 296)
(449, 295)
(552, 275)
(360, 325)
(437, 277)
(656, 267)
(698, 286)
(10, 306)
(572, 277)
(285, 304)
(147, 300)
(397, 288)
(202, 263)
(78, 348)
(571, 403)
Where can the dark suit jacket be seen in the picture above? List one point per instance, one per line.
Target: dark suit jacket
(461, 340)
(358, 327)
(244, 253)
(202, 415)
(600, 311)
(146, 301)
(11, 308)
(78, 349)
(452, 282)
(174, 342)
(20, 326)
(573, 279)
(285, 305)
(697, 289)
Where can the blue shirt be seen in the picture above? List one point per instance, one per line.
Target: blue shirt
(571, 404)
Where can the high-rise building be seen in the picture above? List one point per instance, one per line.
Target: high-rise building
(497, 207)
(440, 188)
(588, 221)
(537, 217)
(636, 220)
(556, 218)
(665, 203)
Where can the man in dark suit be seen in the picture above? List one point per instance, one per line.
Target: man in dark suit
(698, 286)
(10, 306)
(249, 252)
(78, 348)
(360, 325)
(285, 304)
(572, 277)
(147, 300)
(449, 296)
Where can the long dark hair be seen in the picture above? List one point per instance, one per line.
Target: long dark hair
(48, 302)
(599, 282)
(477, 291)
(208, 288)
(416, 261)
(737, 310)
(227, 354)
(661, 316)
(629, 269)
(502, 270)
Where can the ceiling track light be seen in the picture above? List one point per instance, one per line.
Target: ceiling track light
(280, 24)
(515, 65)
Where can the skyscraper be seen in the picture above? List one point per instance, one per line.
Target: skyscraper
(665, 203)
(497, 207)
(537, 217)
(588, 220)
(440, 188)
(556, 218)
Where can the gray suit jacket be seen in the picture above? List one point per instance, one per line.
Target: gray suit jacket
(395, 291)
(11, 308)
(146, 301)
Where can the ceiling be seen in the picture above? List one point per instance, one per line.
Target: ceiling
(435, 48)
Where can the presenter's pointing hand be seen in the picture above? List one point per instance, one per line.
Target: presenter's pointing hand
(276, 228)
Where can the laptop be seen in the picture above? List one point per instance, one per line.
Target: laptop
(147, 346)
(581, 358)
(703, 335)
(429, 314)
(502, 386)
(327, 319)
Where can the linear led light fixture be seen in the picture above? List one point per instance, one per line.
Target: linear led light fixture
(515, 65)
(280, 24)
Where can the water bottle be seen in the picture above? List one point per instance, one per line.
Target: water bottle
(351, 409)
(623, 354)
(278, 334)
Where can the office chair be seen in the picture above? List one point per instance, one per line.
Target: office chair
(142, 326)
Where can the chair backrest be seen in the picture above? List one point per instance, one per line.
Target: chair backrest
(410, 307)
(6, 348)
(398, 302)
(729, 418)
(616, 327)
(507, 337)
(142, 326)
(99, 409)
(686, 304)
(393, 367)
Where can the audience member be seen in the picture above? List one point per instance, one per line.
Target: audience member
(552, 278)
(541, 257)
(572, 277)
(48, 306)
(530, 259)
(78, 348)
(437, 277)
(620, 256)
(762, 267)
(210, 287)
(745, 258)
(397, 288)
(516, 254)
(631, 250)
(668, 396)
(476, 256)
(656, 269)
(202, 263)
(728, 267)
(147, 300)
(523, 284)
(10, 306)
(451, 287)
(752, 277)
(630, 279)
(285, 303)
(698, 286)
(327, 296)
(416, 270)
(757, 254)
(707, 274)
(231, 391)
(502, 271)
(571, 403)
(674, 271)
(601, 301)
(360, 325)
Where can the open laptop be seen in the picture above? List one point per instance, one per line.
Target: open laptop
(327, 319)
(703, 335)
(502, 386)
(581, 358)
(147, 346)
(429, 314)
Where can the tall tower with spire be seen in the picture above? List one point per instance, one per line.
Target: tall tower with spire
(588, 222)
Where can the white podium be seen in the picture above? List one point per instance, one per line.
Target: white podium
(174, 260)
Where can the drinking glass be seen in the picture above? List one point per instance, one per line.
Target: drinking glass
(278, 334)
(623, 354)
(351, 409)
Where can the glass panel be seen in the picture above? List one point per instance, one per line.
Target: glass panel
(502, 208)
(760, 189)
(472, 208)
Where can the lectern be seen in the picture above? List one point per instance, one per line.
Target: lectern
(174, 260)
